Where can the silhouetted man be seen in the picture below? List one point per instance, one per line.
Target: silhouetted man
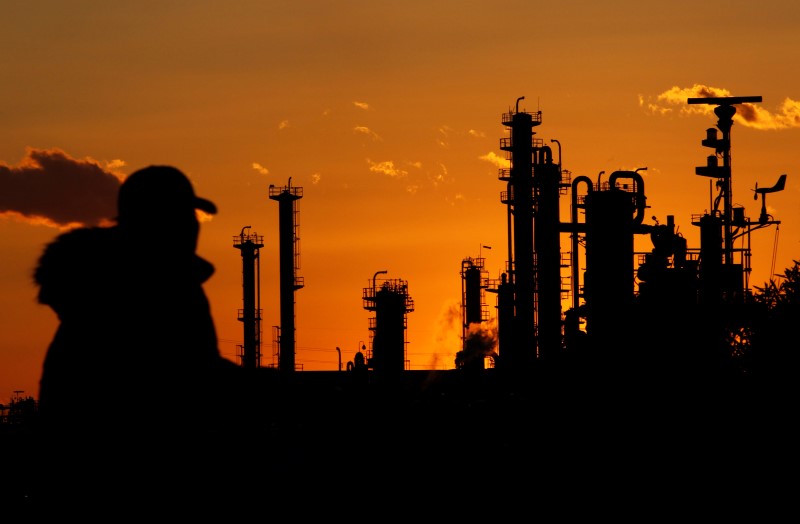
(133, 374)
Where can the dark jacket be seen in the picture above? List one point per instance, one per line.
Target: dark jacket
(136, 341)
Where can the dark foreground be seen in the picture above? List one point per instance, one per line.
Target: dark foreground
(444, 442)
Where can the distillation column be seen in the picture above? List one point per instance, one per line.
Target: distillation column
(547, 248)
(474, 281)
(521, 354)
(613, 216)
(390, 302)
(250, 314)
(289, 256)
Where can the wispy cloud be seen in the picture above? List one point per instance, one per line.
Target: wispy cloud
(440, 177)
(444, 135)
(674, 100)
(386, 168)
(260, 169)
(361, 105)
(496, 160)
(364, 130)
(50, 187)
(455, 199)
(315, 178)
(283, 124)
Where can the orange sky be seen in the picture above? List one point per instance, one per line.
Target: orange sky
(389, 118)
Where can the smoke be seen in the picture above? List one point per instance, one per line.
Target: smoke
(748, 114)
(482, 337)
(50, 187)
(480, 341)
(449, 325)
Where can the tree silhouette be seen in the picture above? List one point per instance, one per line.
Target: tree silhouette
(772, 354)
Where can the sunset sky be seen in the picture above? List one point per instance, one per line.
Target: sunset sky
(388, 115)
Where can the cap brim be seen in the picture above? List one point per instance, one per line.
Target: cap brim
(205, 205)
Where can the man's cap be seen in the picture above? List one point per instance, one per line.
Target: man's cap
(156, 190)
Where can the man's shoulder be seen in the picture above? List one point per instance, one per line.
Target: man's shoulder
(82, 238)
(71, 249)
(87, 234)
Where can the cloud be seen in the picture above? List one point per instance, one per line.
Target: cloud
(444, 131)
(386, 168)
(283, 124)
(447, 135)
(261, 169)
(361, 105)
(496, 160)
(455, 199)
(366, 131)
(747, 114)
(315, 178)
(441, 176)
(50, 187)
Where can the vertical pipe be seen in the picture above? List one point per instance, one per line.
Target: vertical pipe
(575, 229)
(547, 246)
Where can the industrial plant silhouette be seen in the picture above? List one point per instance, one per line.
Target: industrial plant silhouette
(674, 311)
(652, 343)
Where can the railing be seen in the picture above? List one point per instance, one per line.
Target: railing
(506, 143)
(507, 118)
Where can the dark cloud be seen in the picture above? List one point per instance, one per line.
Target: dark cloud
(751, 115)
(51, 187)
(747, 112)
(709, 92)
